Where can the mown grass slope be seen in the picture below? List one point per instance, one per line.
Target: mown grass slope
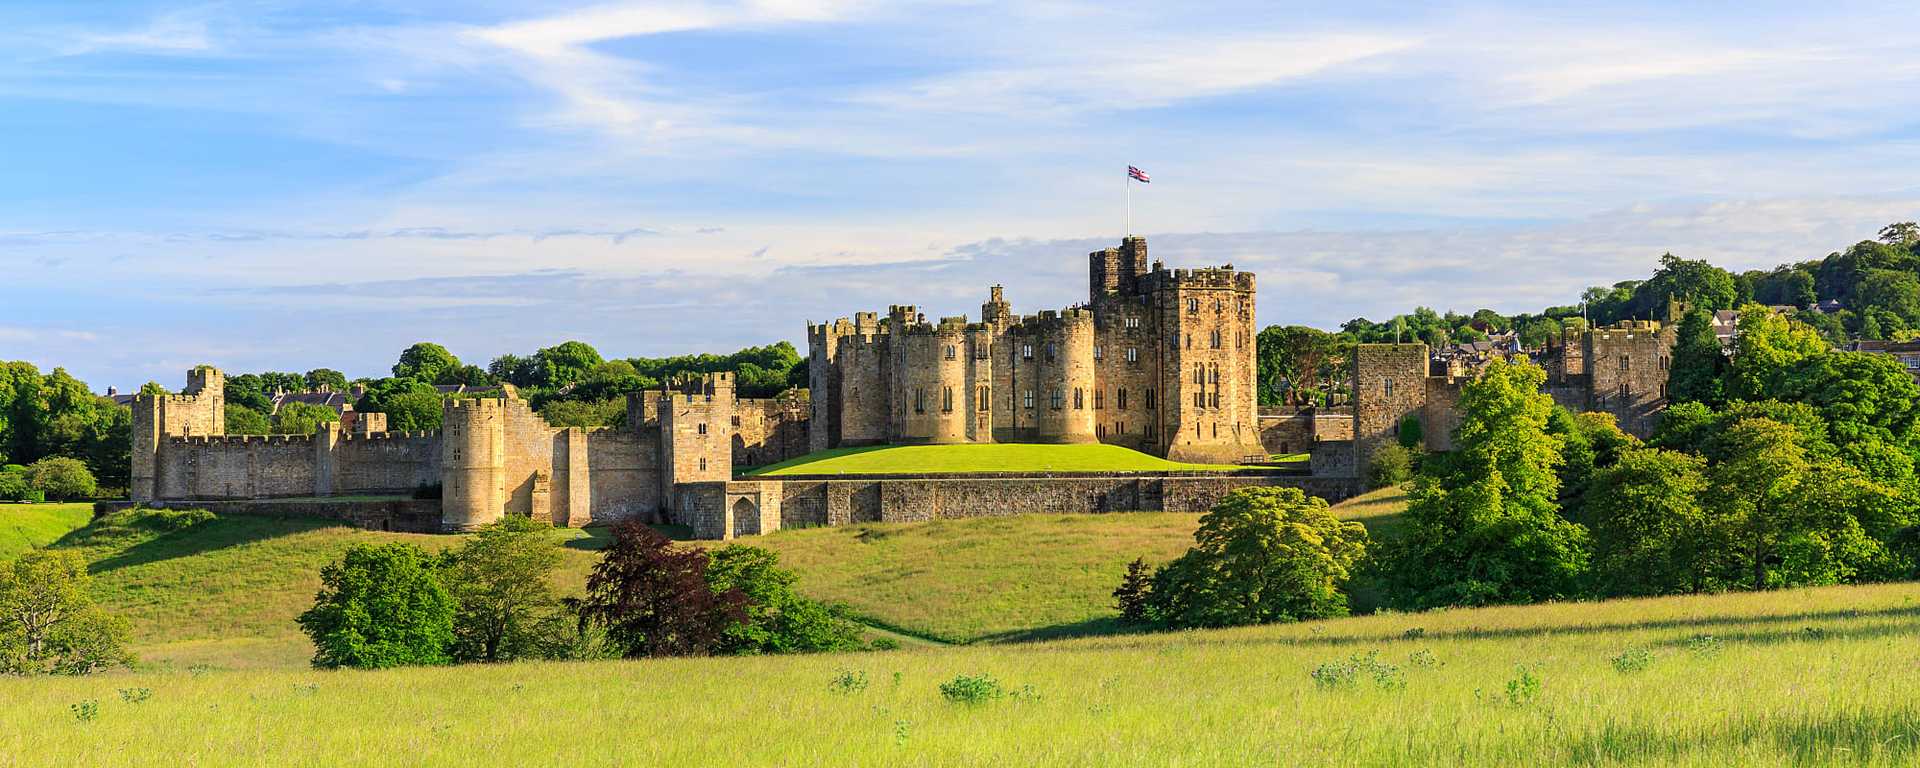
(991, 457)
(1018, 577)
(27, 526)
(1809, 677)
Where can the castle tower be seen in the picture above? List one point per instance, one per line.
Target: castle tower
(1064, 412)
(199, 410)
(1210, 412)
(473, 471)
(934, 381)
(1389, 383)
(696, 435)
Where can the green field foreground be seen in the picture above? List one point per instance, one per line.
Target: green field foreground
(27, 526)
(971, 458)
(1809, 677)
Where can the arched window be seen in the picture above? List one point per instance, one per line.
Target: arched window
(1059, 400)
(946, 399)
(950, 352)
(1193, 306)
(1078, 404)
(1120, 399)
(984, 399)
(919, 400)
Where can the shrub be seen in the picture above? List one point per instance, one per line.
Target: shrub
(61, 478)
(1135, 592)
(1411, 434)
(1348, 672)
(777, 619)
(14, 485)
(48, 621)
(972, 689)
(380, 606)
(1261, 555)
(848, 681)
(1391, 464)
(652, 598)
(1632, 660)
(504, 607)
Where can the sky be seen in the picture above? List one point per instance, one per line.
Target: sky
(269, 185)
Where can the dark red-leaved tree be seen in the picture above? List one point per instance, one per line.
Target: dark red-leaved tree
(652, 597)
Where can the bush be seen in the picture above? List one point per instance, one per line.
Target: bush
(1261, 555)
(778, 619)
(504, 607)
(1135, 592)
(14, 485)
(653, 599)
(61, 478)
(48, 622)
(972, 689)
(1390, 464)
(380, 606)
(1412, 433)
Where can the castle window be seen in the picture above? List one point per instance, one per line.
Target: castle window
(1026, 398)
(979, 351)
(1096, 352)
(1099, 399)
(1148, 430)
(1193, 306)
(1050, 351)
(703, 465)
(946, 399)
(1623, 362)
(1386, 387)
(1199, 399)
(1216, 306)
(1026, 351)
(1189, 341)
(985, 401)
(1213, 373)
(950, 352)
(1120, 399)
(1199, 373)
(1663, 363)
(1058, 399)
(1132, 322)
(1213, 399)
(736, 420)
(1623, 393)
(1149, 403)
(1216, 429)
(1100, 431)
(919, 400)
(1133, 354)
(700, 428)
(1663, 390)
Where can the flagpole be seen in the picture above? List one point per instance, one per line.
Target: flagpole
(1129, 203)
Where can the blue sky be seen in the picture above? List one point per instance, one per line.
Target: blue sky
(284, 185)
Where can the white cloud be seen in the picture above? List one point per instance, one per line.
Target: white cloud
(171, 33)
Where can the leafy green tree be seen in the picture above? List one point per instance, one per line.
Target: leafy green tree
(326, 378)
(14, 485)
(1765, 351)
(49, 623)
(500, 584)
(1390, 464)
(61, 478)
(565, 363)
(1411, 433)
(1695, 282)
(19, 403)
(1871, 407)
(1297, 355)
(242, 420)
(297, 418)
(514, 369)
(1651, 535)
(410, 404)
(1535, 333)
(380, 606)
(1761, 492)
(1905, 234)
(777, 618)
(1261, 555)
(427, 362)
(1698, 364)
(1484, 527)
(611, 412)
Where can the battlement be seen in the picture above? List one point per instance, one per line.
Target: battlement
(478, 405)
(1629, 327)
(1203, 277)
(238, 439)
(404, 434)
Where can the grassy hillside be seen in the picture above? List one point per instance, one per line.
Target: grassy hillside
(999, 578)
(1810, 677)
(26, 526)
(992, 457)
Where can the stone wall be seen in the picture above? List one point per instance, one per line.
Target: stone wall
(1389, 382)
(725, 510)
(771, 430)
(400, 515)
(1627, 364)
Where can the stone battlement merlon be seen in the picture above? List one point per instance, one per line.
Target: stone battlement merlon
(236, 439)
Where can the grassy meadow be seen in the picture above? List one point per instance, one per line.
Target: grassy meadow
(27, 526)
(1808, 677)
(970, 458)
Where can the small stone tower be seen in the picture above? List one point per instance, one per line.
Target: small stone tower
(199, 410)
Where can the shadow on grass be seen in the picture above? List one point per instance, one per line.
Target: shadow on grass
(215, 534)
(1699, 625)
(1814, 738)
(831, 453)
(599, 537)
(1105, 625)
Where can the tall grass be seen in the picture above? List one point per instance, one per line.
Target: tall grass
(1810, 677)
(29, 526)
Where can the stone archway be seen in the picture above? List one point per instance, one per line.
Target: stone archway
(746, 517)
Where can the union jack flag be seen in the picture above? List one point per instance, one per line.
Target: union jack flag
(1138, 175)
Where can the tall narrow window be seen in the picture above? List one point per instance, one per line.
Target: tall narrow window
(919, 400)
(1132, 322)
(1623, 392)
(1623, 362)
(703, 465)
(1078, 403)
(1120, 399)
(1216, 339)
(1193, 306)
(1199, 373)
(1026, 351)
(1099, 398)
(700, 428)
(1096, 352)
(1049, 351)
(1386, 387)
(946, 399)
(1026, 398)
(950, 352)
(1057, 398)
(984, 401)
(1149, 403)
(1133, 354)
(979, 351)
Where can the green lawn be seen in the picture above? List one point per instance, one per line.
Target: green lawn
(1812, 677)
(988, 457)
(27, 526)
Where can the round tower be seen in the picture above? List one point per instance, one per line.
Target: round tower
(932, 382)
(1065, 413)
(472, 464)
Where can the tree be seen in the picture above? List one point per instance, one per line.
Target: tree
(14, 485)
(565, 363)
(777, 619)
(427, 362)
(1390, 464)
(610, 412)
(1134, 595)
(61, 478)
(1484, 526)
(297, 418)
(326, 378)
(1261, 555)
(242, 420)
(1871, 407)
(1698, 363)
(1535, 333)
(1905, 234)
(1696, 282)
(1757, 492)
(504, 607)
(48, 620)
(1295, 355)
(653, 599)
(410, 404)
(1411, 433)
(380, 606)
(1766, 348)
(1651, 535)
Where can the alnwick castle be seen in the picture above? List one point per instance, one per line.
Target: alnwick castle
(1157, 360)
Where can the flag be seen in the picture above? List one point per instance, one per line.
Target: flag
(1138, 175)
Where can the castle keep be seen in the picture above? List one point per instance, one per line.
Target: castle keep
(1156, 360)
